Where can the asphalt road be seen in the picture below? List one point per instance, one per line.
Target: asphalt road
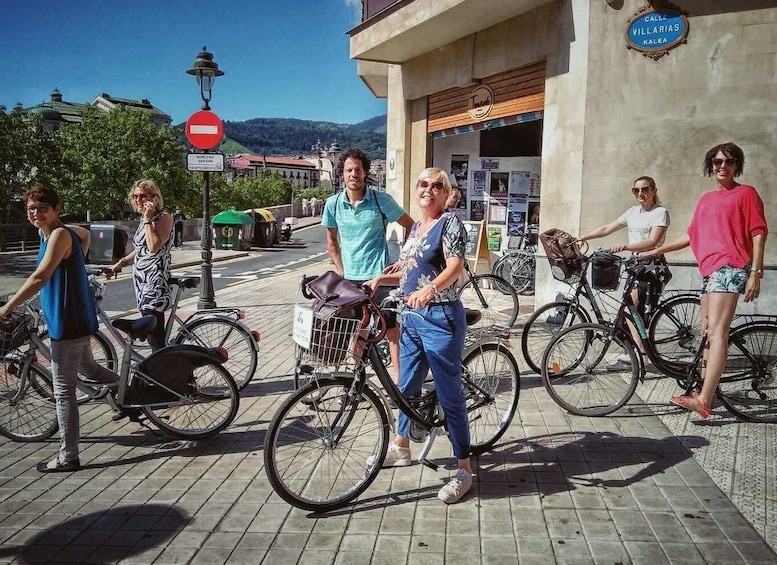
(119, 296)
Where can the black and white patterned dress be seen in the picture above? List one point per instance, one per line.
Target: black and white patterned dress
(151, 271)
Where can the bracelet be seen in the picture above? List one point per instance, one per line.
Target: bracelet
(148, 223)
(759, 272)
(434, 288)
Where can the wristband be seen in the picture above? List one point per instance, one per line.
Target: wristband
(434, 288)
(759, 272)
(148, 223)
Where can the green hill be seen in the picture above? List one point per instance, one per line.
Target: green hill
(289, 136)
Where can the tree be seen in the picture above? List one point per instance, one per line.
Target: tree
(267, 189)
(27, 157)
(106, 153)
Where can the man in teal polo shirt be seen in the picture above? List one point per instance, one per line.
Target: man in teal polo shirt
(356, 222)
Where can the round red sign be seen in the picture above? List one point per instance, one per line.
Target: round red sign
(204, 129)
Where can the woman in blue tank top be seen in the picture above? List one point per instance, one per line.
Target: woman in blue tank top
(69, 312)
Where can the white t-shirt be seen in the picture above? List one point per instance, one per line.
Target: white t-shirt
(639, 222)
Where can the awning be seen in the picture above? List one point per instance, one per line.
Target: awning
(263, 212)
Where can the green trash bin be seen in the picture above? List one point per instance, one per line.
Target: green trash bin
(229, 226)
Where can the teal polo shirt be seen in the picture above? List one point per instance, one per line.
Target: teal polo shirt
(362, 231)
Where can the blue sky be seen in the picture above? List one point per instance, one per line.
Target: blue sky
(281, 58)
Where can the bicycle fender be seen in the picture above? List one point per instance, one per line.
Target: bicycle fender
(192, 354)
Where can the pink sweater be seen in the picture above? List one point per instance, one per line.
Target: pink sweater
(723, 225)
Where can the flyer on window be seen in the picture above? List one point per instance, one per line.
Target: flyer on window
(520, 182)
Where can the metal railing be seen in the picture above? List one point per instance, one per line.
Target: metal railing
(18, 237)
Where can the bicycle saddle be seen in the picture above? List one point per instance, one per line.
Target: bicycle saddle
(473, 316)
(185, 282)
(138, 328)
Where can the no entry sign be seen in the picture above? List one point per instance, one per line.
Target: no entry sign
(204, 129)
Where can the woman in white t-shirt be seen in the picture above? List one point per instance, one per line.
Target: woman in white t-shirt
(646, 224)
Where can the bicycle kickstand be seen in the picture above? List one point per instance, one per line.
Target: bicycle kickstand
(427, 448)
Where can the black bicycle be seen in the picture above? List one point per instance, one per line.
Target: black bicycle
(578, 364)
(327, 442)
(672, 319)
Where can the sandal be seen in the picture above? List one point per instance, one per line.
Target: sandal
(57, 466)
(692, 403)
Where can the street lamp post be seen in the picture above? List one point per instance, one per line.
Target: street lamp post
(205, 69)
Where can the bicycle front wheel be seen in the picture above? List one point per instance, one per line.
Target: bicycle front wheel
(494, 297)
(748, 386)
(674, 335)
(518, 269)
(233, 336)
(545, 323)
(28, 411)
(491, 387)
(319, 456)
(588, 372)
(206, 409)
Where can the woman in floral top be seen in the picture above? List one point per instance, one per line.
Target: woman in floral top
(431, 262)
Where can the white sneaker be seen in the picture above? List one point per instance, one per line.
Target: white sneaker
(457, 487)
(396, 456)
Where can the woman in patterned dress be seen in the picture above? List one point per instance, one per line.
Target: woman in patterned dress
(150, 260)
(432, 336)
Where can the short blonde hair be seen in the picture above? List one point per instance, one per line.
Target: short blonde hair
(432, 172)
(149, 187)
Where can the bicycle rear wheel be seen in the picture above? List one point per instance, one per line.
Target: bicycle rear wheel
(748, 386)
(208, 408)
(517, 268)
(233, 336)
(582, 373)
(546, 322)
(28, 411)
(320, 456)
(674, 335)
(491, 387)
(494, 297)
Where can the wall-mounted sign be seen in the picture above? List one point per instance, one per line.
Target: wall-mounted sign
(480, 102)
(654, 31)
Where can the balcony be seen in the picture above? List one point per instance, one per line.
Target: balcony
(400, 30)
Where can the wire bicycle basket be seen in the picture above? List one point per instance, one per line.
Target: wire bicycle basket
(15, 331)
(325, 341)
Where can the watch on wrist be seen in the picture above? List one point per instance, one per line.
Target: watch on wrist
(759, 272)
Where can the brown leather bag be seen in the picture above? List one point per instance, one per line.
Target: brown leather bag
(334, 294)
(564, 252)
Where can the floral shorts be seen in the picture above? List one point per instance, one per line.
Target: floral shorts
(726, 279)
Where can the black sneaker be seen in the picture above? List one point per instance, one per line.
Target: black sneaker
(132, 413)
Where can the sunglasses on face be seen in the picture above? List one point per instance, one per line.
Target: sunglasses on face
(142, 196)
(643, 189)
(42, 209)
(717, 163)
(435, 186)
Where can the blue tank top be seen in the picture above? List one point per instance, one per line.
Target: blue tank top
(68, 306)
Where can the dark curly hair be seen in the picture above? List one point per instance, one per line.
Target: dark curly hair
(43, 194)
(730, 150)
(352, 153)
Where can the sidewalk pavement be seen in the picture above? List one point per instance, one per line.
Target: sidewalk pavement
(649, 484)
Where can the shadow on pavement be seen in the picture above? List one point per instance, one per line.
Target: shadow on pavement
(133, 529)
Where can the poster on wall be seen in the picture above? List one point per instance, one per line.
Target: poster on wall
(478, 184)
(459, 170)
(498, 185)
(534, 185)
(517, 209)
(520, 182)
(489, 164)
(477, 210)
(497, 211)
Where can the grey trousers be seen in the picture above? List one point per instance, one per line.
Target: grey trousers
(67, 357)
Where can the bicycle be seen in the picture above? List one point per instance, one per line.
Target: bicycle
(518, 265)
(673, 323)
(327, 442)
(183, 389)
(578, 375)
(492, 295)
(216, 327)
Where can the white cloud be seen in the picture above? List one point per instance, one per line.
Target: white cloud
(356, 7)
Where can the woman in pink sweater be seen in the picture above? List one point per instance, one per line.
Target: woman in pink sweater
(727, 236)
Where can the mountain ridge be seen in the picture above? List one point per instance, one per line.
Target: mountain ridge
(293, 136)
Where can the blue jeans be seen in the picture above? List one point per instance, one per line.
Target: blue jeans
(67, 356)
(436, 341)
